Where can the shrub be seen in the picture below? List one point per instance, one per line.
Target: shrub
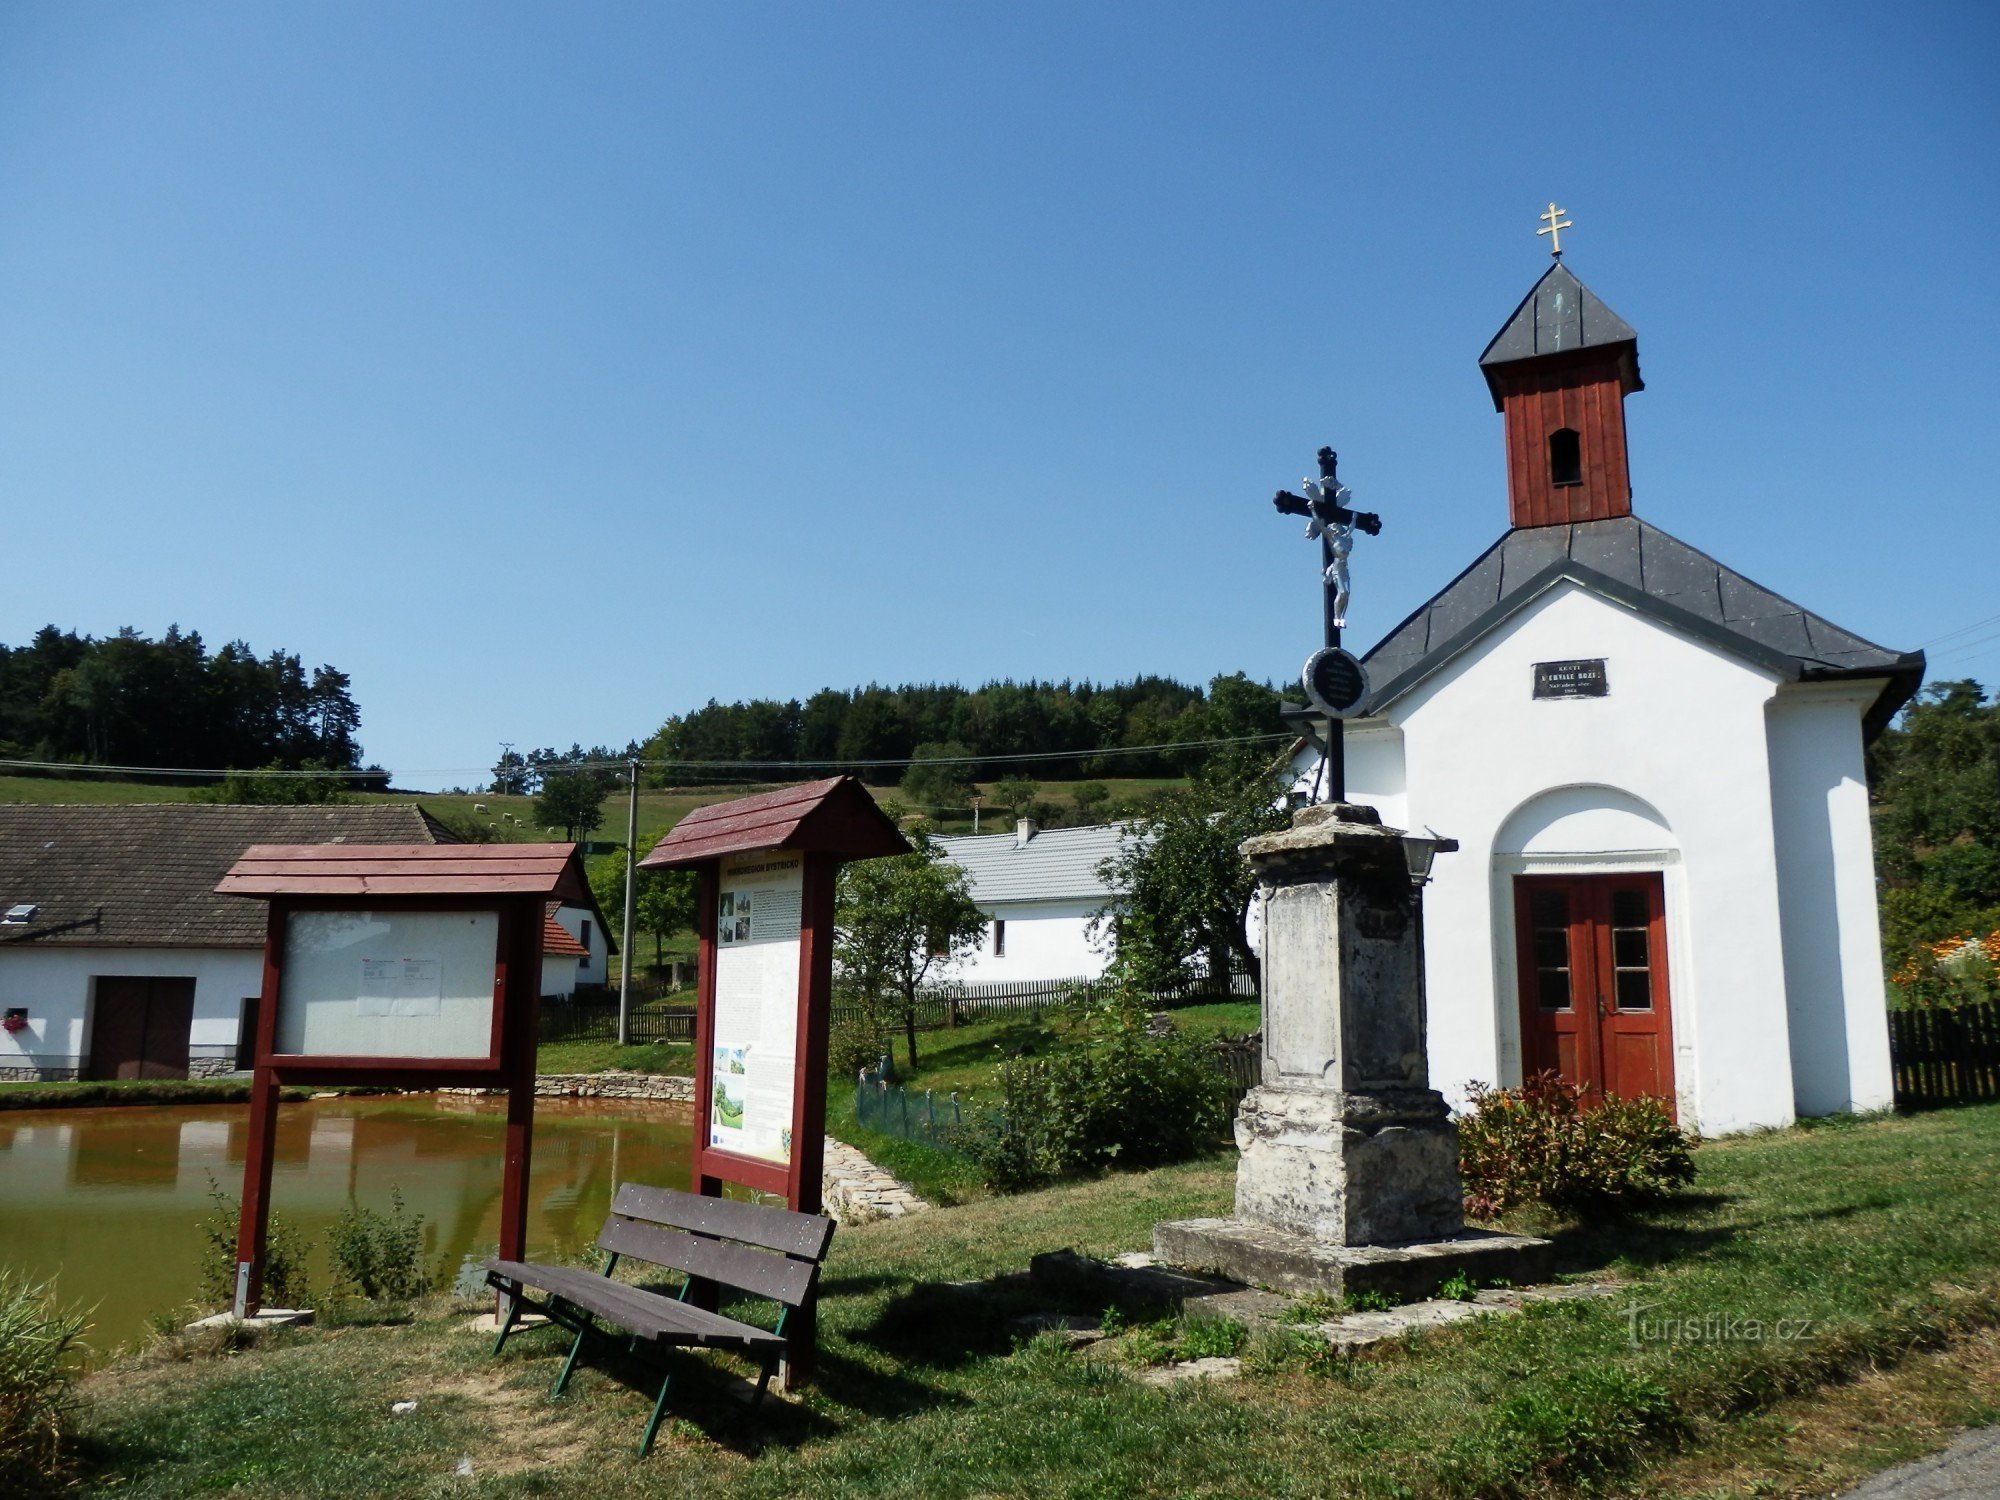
(286, 1282)
(852, 1048)
(1120, 1098)
(1541, 1144)
(380, 1255)
(39, 1342)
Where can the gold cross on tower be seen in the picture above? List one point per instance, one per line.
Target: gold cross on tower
(1557, 223)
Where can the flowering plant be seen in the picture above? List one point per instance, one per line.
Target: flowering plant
(1960, 970)
(14, 1020)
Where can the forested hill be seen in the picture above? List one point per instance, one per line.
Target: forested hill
(131, 700)
(1072, 723)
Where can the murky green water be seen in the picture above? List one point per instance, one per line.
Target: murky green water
(109, 1201)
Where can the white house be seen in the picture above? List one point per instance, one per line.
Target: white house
(1039, 890)
(1653, 766)
(117, 958)
(576, 945)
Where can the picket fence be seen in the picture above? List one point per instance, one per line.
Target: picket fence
(951, 1005)
(1945, 1056)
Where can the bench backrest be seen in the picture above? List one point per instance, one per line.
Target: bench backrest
(772, 1252)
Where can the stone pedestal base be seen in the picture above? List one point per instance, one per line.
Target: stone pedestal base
(1375, 1168)
(1261, 1255)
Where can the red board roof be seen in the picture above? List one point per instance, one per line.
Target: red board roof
(406, 870)
(835, 816)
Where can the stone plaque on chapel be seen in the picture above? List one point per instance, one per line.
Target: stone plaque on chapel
(1570, 679)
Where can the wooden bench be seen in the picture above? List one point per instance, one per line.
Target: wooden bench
(713, 1243)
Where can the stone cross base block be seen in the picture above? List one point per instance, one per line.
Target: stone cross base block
(1263, 1255)
(1349, 1168)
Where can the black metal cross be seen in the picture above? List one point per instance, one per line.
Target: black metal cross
(1333, 523)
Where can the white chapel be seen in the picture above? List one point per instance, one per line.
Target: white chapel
(1653, 767)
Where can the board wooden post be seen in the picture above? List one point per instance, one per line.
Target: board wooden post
(411, 966)
(768, 867)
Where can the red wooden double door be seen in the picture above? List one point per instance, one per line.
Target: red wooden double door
(1595, 1005)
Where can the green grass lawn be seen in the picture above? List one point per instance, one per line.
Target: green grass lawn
(604, 1057)
(964, 1059)
(1880, 1240)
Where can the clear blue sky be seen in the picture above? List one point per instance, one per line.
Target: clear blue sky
(554, 368)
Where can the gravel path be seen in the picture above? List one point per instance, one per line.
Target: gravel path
(1968, 1470)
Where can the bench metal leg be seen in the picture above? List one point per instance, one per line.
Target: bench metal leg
(575, 1349)
(659, 1410)
(507, 1323)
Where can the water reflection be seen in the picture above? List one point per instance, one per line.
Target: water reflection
(112, 1199)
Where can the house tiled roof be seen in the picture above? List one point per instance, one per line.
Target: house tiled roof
(556, 939)
(1060, 864)
(1638, 565)
(145, 875)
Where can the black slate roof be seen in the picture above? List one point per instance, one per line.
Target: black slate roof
(152, 867)
(1638, 565)
(1560, 315)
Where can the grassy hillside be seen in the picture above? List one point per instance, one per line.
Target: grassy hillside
(659, 810)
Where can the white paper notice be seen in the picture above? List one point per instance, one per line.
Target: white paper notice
(401, 986)
(756, 1005)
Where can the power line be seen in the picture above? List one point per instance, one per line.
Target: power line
(740, 767)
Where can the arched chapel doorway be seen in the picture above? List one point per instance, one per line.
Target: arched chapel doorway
(1584, 869)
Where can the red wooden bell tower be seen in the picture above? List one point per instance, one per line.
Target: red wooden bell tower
(1560, 371)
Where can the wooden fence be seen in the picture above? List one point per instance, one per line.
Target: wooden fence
(949, 1005)
(594, 1017)
(1945, 1056)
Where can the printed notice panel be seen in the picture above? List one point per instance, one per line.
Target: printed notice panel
(755, 1036)
(413, 984)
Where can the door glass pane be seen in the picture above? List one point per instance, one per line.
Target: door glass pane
(1631, 950)
(1548, 915)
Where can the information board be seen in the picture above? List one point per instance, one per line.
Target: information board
(388, 984)
(755, 1039)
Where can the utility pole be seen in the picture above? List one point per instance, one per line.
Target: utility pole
(631, 881)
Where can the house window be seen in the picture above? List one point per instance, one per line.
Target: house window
(999, 937)
(585, 938)
(1565, 457)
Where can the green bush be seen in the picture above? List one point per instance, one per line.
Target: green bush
(1117, 1098)
(39, 1342)
(380, 1256)
(852, 1047)
(286, 1281)
(1541, 1144)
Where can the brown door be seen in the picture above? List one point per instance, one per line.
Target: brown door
(139, 1027)
(1593, 964)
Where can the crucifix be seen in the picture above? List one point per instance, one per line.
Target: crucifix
(1556, 225)
(1333, 679)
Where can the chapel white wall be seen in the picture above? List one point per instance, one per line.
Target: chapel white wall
(1682, 731)
(1826, 892)
(55, 984)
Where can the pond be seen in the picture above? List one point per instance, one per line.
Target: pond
(110, 1201)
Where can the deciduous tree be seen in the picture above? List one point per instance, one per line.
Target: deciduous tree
(897, 923)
